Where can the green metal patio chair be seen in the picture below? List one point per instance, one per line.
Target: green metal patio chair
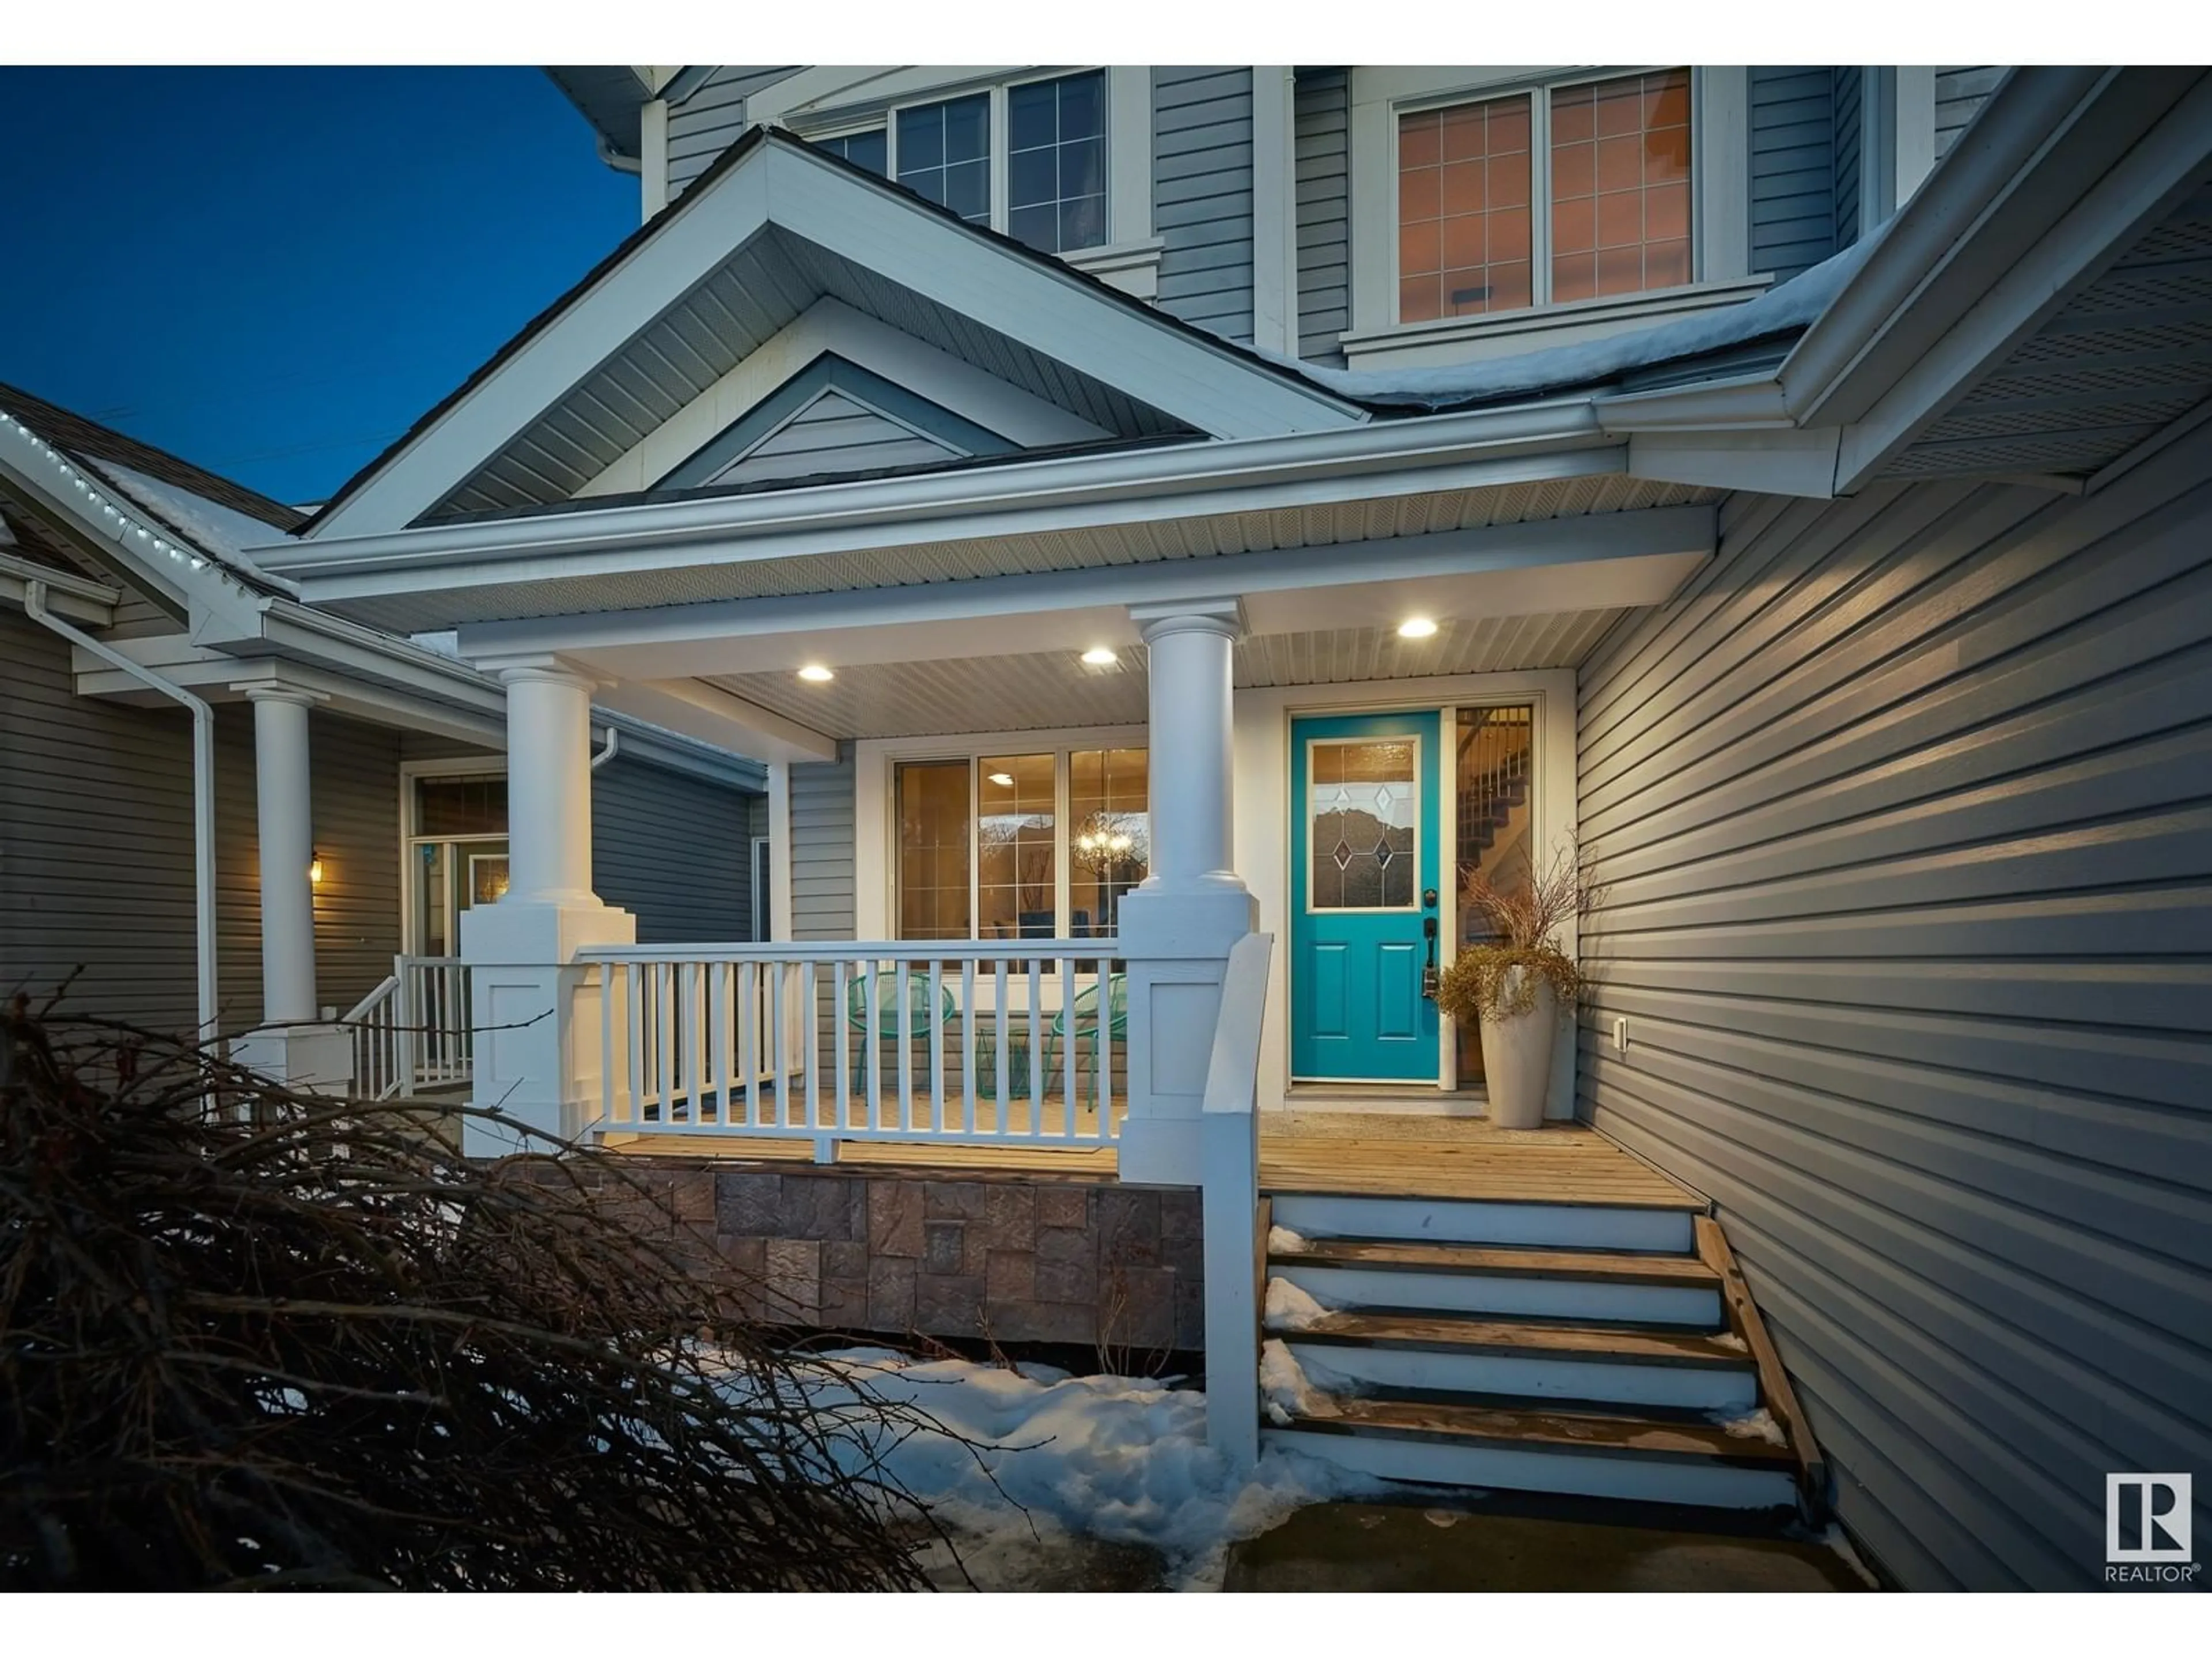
(915, 977)
(1086, 1012)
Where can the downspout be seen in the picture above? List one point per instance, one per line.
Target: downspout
(614, 744)
(34, 606)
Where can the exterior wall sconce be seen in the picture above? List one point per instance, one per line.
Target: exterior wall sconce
(315, 870)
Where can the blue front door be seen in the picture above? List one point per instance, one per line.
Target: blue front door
(1363, 868)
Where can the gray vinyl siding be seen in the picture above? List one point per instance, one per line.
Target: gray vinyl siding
(1202, 196)
(674, 851)
(833, 435)
(1322, 123)
(821, 849)
(1959, 95)
(708, 121)
(1793, 163)
(1905, 809)
(96, 848)
(1850, 127)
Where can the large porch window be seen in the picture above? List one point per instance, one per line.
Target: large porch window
(1014, 846)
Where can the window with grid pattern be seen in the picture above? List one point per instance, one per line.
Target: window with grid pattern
(870, 149)
(1479, 230)
(1057, 162)
(944, 154)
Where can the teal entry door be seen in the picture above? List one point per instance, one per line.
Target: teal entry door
(1364, 876)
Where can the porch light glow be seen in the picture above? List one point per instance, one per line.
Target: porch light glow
(1416, 627)
(816, 672)
(1100, 656)
(315, 870)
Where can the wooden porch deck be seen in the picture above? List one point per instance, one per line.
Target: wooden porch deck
(1388, 1154)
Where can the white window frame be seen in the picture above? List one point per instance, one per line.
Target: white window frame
(457, 766)
(1720, 199)
(837, 103)
(876, 762)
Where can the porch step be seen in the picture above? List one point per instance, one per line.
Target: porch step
(1615, 1288)
(1591, 1453)
(1460, 1221)
(1602, 1365)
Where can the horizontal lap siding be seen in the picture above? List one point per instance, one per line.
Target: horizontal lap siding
(1906, 810)
(1793, 167)
(1960, 95)
(674, 851)
(1323, 183)
(1202, 196)
(708, 121)
(822, 850)
(96, 849)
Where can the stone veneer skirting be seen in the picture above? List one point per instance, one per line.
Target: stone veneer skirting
(1000, 1258)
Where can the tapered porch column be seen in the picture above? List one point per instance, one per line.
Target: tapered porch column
(1178, 926)
(534, 1011)
(290, 1046)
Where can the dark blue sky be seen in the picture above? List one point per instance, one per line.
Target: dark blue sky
(273, 272)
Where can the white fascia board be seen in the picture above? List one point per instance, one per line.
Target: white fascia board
(659, 637)
(1787, 462)
(43, 480)
(68, 596)
(1441, 451)
(708, 714)
(2140, 189)
(831, 325)
(671, 751)
(1045, 307)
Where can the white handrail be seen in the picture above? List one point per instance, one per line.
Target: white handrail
(1229, 1164)
(987, 1042)
(413, 1030)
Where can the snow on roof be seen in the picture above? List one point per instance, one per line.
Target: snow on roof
(1785, 306)
(221, 532)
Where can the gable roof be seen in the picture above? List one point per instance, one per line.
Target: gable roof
(818, 222)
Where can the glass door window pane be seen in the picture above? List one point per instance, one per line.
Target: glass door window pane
(1464, 210)
(933, 851)
(1017, 846)
(1109, 836)
(1494, 774)
(448, 807)
(1365, 806)
(944, 154)
(1057, 162)
(1620, 185)
(432, 902)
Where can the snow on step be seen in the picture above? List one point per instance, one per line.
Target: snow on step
(1583, 1285)
(1585, 1226)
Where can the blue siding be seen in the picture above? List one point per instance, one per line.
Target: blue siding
(674, 851)
(1793, 167)
(1322, 120)
(1850, 110)
(821, 849)
(1202, 196)
(708, 121)
(1959, 96)
(1906, 806)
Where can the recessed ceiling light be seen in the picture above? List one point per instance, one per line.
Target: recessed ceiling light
(817, 672)
(1003, 779)
(1100, 656)
(1416, 627)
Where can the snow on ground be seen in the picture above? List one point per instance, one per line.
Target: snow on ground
(1756, 1425)
(1787, 305)
(1282, 1238)
(1290, 1309)
(1113, 1459)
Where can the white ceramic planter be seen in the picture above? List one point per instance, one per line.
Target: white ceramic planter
(1516, 1060)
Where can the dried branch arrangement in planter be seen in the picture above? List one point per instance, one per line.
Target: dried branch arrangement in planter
(1515, 985)
(255, 1338)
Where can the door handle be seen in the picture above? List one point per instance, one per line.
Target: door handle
(1429, 972)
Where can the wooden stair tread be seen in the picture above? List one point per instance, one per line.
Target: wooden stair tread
(1610, 1266)
(1594, 1342)
(1407, 1186)
(1589, 1431)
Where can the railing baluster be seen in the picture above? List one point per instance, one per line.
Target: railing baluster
(968, 1045)
(607, 1044)
(1037, 1046)
(840, 1023)
(634, 1020)
(781, 1077)
(718, 1011)
(811, 1025)
(1071, 1043)
(906, 1045)
(999, 1119)
(936, 1047)
(1105, 1130)
(871, 1030)
(749, 1039)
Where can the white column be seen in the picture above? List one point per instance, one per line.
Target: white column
(549, 784)
(1179, 925)
(291, 1046)
(535, 1011)
(282, 799)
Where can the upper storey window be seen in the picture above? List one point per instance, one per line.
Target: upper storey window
(1569, 190)
(1029, 158)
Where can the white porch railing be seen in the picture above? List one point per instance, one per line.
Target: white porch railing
(1229, 1164)
(980, 1042)
(412, 1032)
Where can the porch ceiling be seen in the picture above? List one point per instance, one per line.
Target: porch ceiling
(1048, 688)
